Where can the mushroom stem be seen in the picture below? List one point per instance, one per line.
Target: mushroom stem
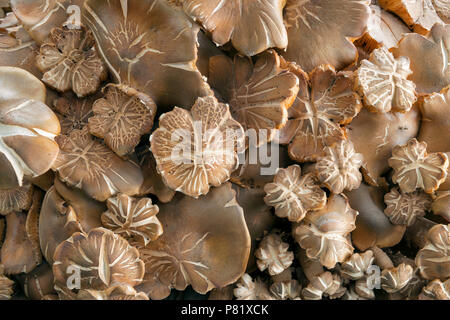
(417, 232)
(382, 259)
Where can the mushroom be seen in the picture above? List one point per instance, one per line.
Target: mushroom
(338, 167)
(433, 259)
(38, 283)
(119, 292)
(326, 101)
(101, 258)
(6, 285)
(286, 290)
(16, 199)
(441, 204)
(357, 265)
(383, 82)
(373, 227)
(259, 94)
(325, 233)
(294, 195)
(273, 254)
(222, 294)
(205, 243)
(403, 208)
(415, 169)
(374, 135)
(320, 31)
(363, 289)
(326, 284)
(419, 15)
(121, 118)
(132, 218)
(436, 290)
(249, 289)
(194, 150)
(395, 279)
(428, 57)
(251, 26)
(137, 35)
(87, 164)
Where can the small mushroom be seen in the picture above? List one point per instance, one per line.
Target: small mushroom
(132, 218)
(16, 199)
(383, 82)
(325, 233)
(121, 118)
(249, 289)
(415, 169)
(87, 164)
(363, 289)
(197, 149)
(433, 259)
(38, 283)
(293, 195)
(326, 284)
(338, 167)
(273, 254)
(68, 60)
(259, 94)
(6, 285)
(286, 290)
(441, 204)
(436, 290)
(119, 292)
(356, 266)
(325, 101)
(320, 31)
(395, 279)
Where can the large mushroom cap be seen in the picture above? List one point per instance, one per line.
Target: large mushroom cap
(205, 243)
(150, 46)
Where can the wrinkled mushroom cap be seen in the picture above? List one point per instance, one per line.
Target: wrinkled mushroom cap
(436, 290)
(273, 254)
(249, 289)
(122, 292)
(356, 266)
(394, 280)
(16, 199)
(286, 290)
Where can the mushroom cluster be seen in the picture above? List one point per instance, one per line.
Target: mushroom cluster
(270, 149)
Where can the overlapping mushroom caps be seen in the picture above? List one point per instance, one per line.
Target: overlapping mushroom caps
(325, 233)
(249, 289)
(325, 101)
(16, 199)
(259, 94)
(150, 46)
(205, 243)
(320, 31)
(27, 128)
(197, 149)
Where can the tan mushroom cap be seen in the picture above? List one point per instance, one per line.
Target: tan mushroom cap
(6, 286)
(382, 82)
(273, 254)
(319, 31)
(205, 243)
(325, 233)
(197, 149)
(293, 195)
(433, 260)
(428, 57)
(326, 284)
(2, 230)
(415, 169)
(102, 258)
(357, 265)
(16, 84)
(122, 292)
(286, 290)
(373, 227)
(441, 204)
(134, 36)
(396, 279)
(420, 15)
(374, 136)
(325, 101)
(442, 9)
(259, 94)
(16, 199)
(252, 289)
(39, 17)
(85, 163)
(252, 26)
(38, 283)
(436, 290)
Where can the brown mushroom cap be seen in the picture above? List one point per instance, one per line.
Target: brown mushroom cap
(205, 243)
(428, 57)
(441, 204)
(436, 290)
(259, 94)
(16, 199)
(286, 290)
(325, 101)
(102, 258)
(197, 149)
(6, 286)
(273, 254)
(396, 279)
(319, 31)
(325, 233)
(38, 283)
(87, 164)
(135, 36)
(122, 292)
(373, 227)
(252, 26)
(326, 284)
(249, 289)
(374, 135)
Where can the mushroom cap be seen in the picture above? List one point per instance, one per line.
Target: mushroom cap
(383, 82)
(102, 258)
(428, 58)
(415, 169)
(16, 84)
(16, 199)
(436, 290)
(373, 227)
(122, 292)
(38, 283)
(394, 280)
(205, 243)
(320, 31)
(87, 164)
(259, 94)
(286, 290)
(249, 289)
(433, 259)
(327, 283)
(6, 286)
(293, 195)
(197, 149)
(273, 254)
(441, 204)
(325, 101)
(121, 118)
(252, 26)
(356, 266)
(162, 40)
(325, 233)
(374, 135)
